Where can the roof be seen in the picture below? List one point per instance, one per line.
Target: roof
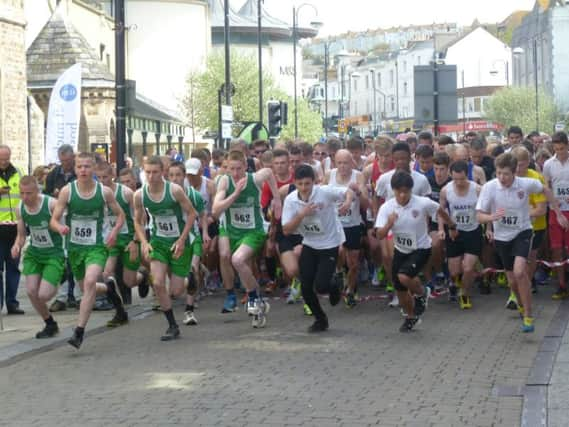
(57, 47)
(245, 21)
(144, 107)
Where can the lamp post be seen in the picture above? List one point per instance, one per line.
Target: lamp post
(376, 90)
(519, 51)
(341, 54)
(295, 11)
(260, 57)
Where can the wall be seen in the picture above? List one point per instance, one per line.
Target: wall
(560, 53)
(171, 38)
(13, 109)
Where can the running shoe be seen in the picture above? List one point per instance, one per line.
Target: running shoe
(319, 325)
(452, 292)
(307, 310)
(49, 331)
(394, 301)
(409, 324)
(375, 282)
(464, 302)
(270, 287)
(421, 302)
(527, 325)
(172, 333)
(258, 308)
(389, 288)
(120, 318)
(76, 339)
(381, 275)
(230, 304)
(190, 318)
(521, 311)
(560, 294)
(350, 300)
(512, 303)
(502, 280)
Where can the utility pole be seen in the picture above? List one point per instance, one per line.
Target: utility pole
(120, 84)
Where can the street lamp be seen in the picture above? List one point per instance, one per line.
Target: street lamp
(355, 76)
(518, 51)
(340, 54)
(315, 24)
(375, 90)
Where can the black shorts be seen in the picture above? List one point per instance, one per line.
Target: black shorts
(519, 246)
(538, 238)
(213, 229)
(287, 243)
(353, 237)
(408, 264)
(467, 242)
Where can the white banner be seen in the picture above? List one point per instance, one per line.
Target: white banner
(64, 113)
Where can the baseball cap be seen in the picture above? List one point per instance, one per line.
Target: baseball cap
(193, 166)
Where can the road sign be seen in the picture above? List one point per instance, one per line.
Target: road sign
(226, 113)
(226, 128)
(559, 126)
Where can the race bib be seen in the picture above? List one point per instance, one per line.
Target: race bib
(311, 225)
(243, 218)
(84, 231)
(405, 242)
(510, 220)
(561, 191)
(167, 226)
(113, 222)
(464, 217)
(40, 238)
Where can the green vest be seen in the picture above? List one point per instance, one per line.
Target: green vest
(126, 233)
(167, 215)
(244, 215)
(43, 241)
(85, 218)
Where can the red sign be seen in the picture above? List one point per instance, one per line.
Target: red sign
(475, 125)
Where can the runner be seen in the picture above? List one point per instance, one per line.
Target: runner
(169, 249)
(464, 238)
(86, 202)
(504, 202)
(346, 176)
(44, 259)
(406, 216)
(312, 210)
(241, 234)
(126, 247)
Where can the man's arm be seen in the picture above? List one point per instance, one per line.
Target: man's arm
(20, 237)
(220, 202)
(191, 214)
(60, 206)
(360, 191)
(140, 221)
(117, 211)
(267, 175)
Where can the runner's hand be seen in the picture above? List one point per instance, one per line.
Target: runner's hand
(15, 251)
(490, 235)
(277, 208)
(500, 212)
(309, 209)
(146, 249)
(62, 229)
(177, 249)
(344, 208)
(442, 234)
(563, 221)
(111, 240)
(240, 185)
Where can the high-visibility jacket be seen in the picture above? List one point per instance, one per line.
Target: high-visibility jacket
(9, 202)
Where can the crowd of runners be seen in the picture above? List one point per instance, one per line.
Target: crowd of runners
(418, 217)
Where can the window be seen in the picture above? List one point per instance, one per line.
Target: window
(392, 104)
(102, 51)
(477, 105)
(404, 66)
(405, 88)
(355, 108)
(355, 85)
(418, 60)
(367, 81)
(379, 80)
(391, 78)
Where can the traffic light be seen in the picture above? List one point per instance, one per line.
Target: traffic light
(277, 117)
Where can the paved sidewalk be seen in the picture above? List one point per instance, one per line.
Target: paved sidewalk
(558, 389)
(222, 372)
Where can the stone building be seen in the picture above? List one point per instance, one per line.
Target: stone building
(13, 112)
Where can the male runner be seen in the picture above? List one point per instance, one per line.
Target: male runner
(241, 234)
(44, 259)
(86, 202)
(169, 247)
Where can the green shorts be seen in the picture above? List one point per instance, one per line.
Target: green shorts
(50, 269)
(179, 267)
(197, 247)
(120, 249)
(255, 239)
(81, 259)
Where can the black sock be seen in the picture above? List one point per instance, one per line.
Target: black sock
(271, 264)
(112, 295)
(50, 321)
(189, 307)
(170, 317)
(79, 331)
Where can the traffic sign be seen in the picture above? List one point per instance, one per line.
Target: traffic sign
(341, 126)
(559, 126)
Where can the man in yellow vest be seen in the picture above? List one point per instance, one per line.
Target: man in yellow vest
(9, 201)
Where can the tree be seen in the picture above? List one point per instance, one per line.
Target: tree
(516, 106)
(200, 100)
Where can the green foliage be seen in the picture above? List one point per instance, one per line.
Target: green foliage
(200, 99)
(516, 106)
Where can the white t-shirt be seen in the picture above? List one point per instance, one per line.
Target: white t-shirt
(410, 230)
(462, 209)
(421, 186)
(321, 230)
(557, 174)
(514, 199)
(353, 217)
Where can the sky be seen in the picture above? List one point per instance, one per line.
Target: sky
(339, 16)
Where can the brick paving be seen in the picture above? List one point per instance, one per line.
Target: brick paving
(222, 372)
